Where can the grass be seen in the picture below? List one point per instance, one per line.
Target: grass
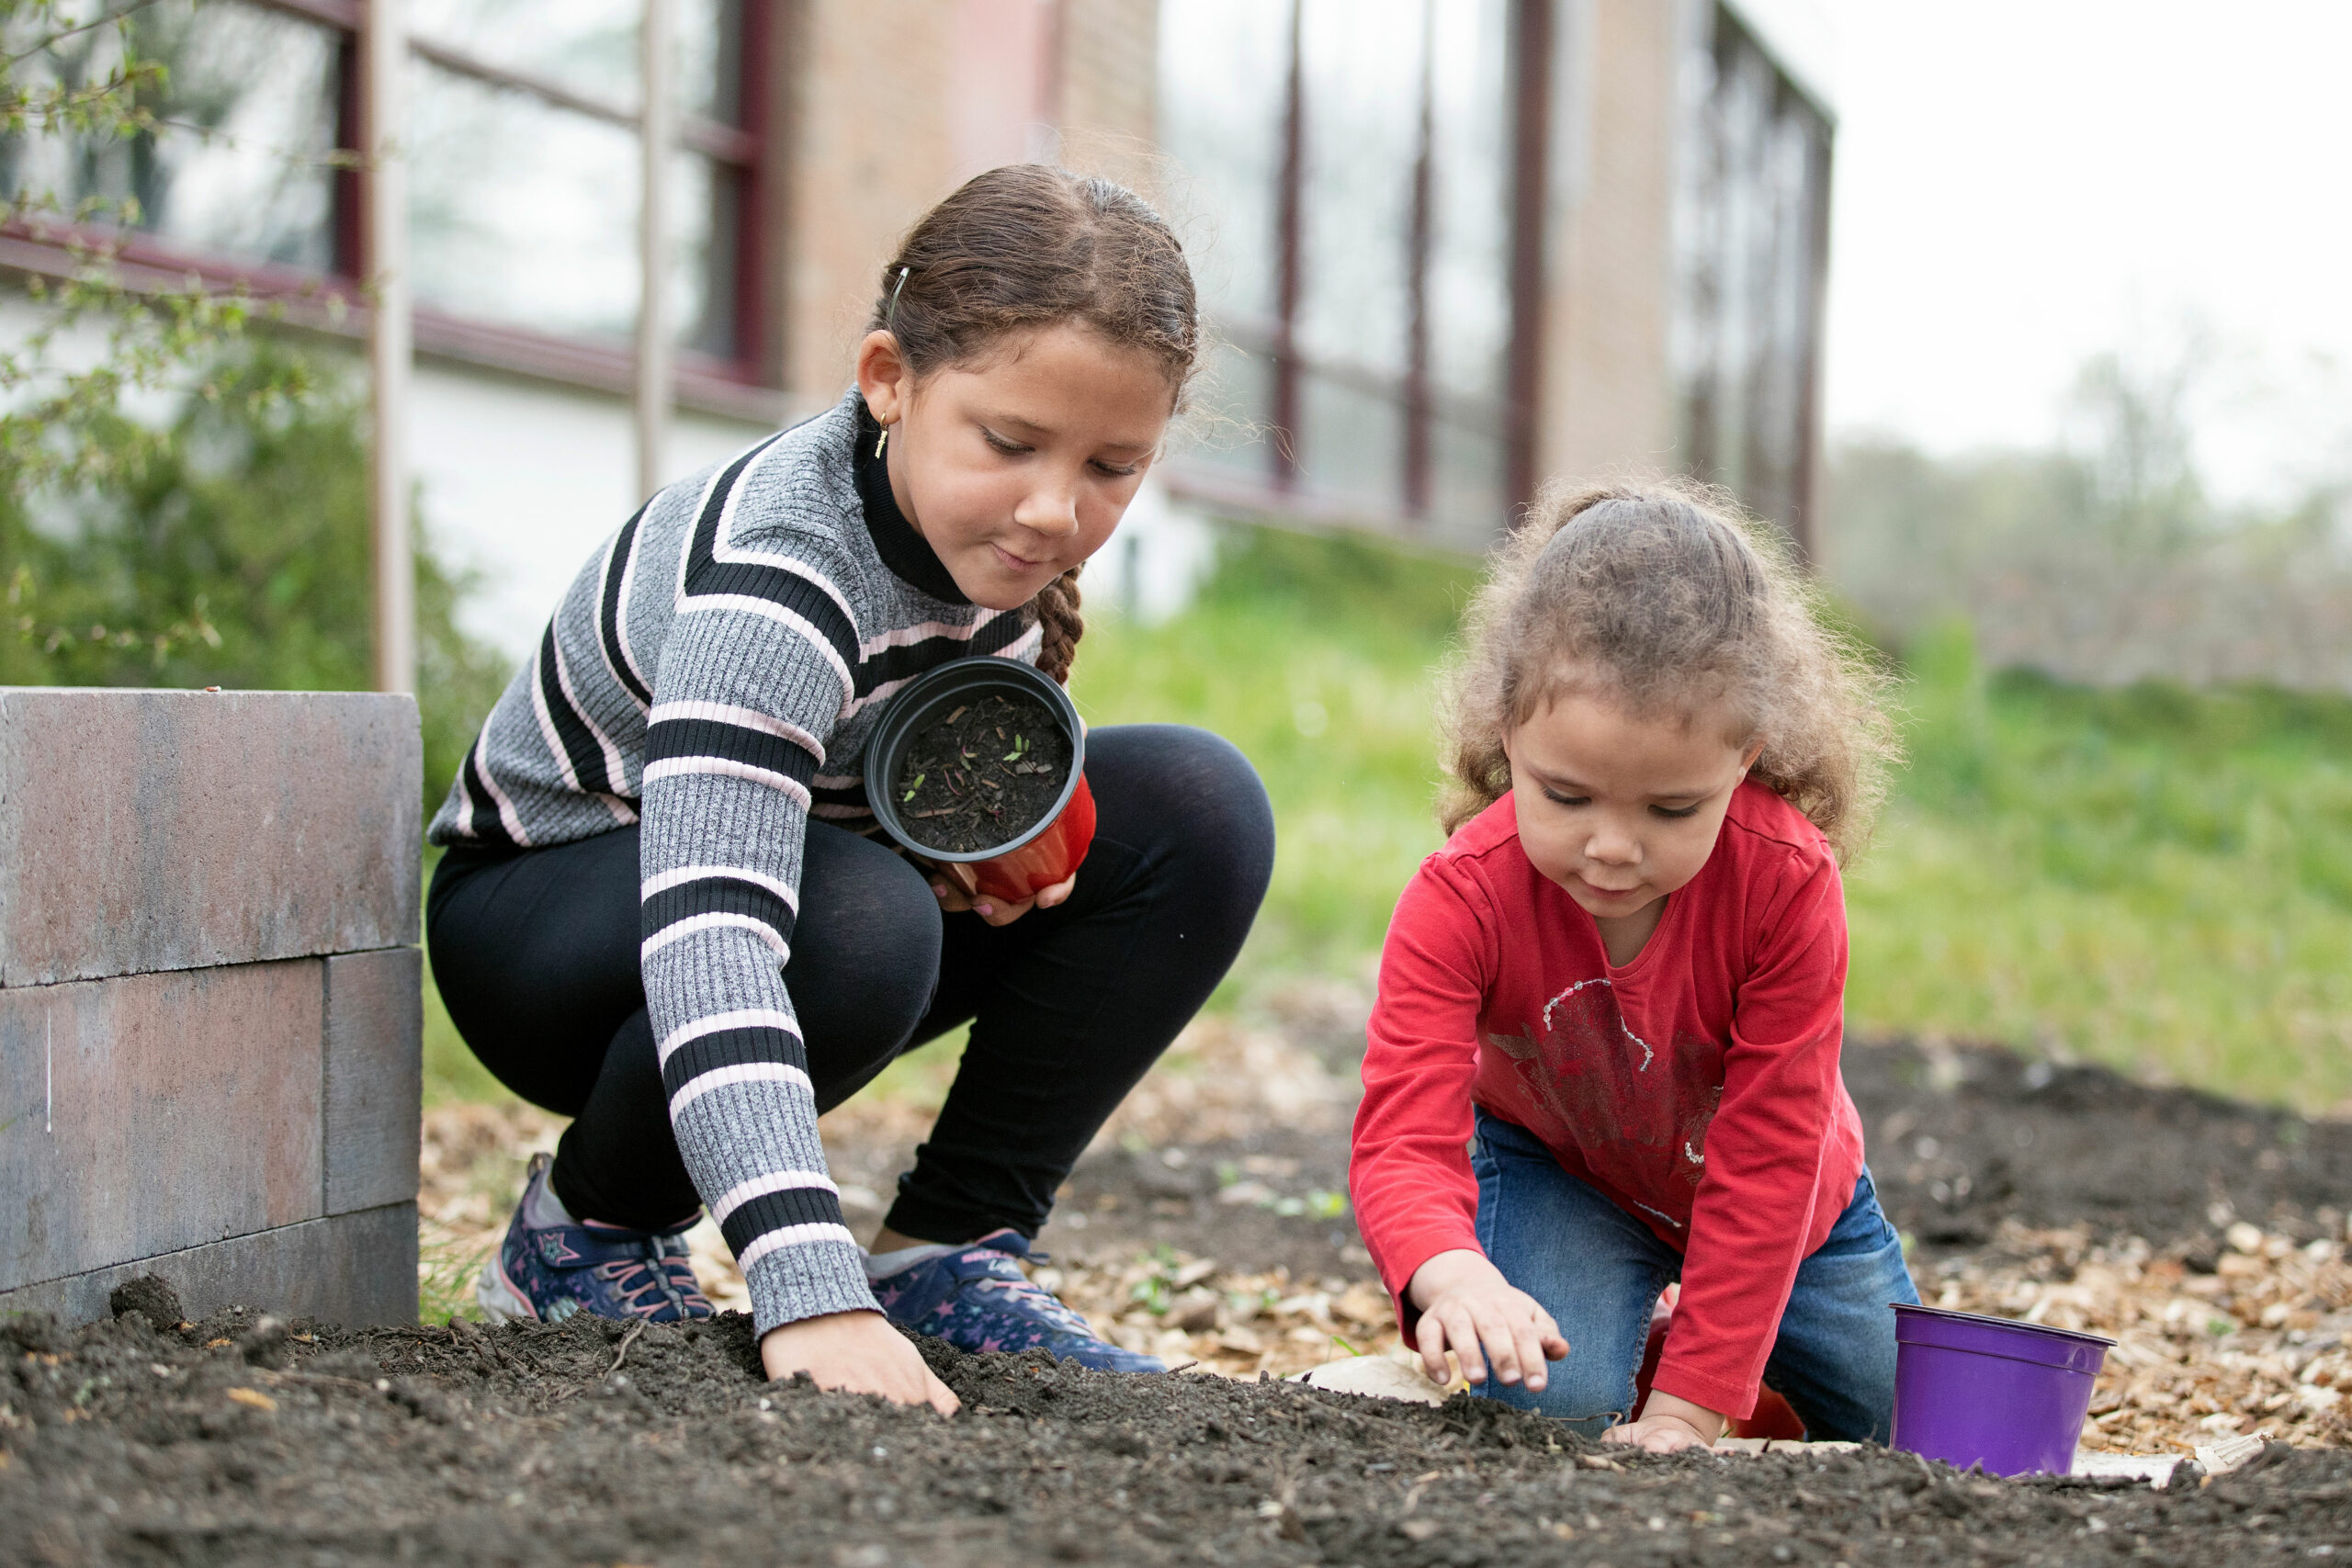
(1314, 657)
(2154, 878)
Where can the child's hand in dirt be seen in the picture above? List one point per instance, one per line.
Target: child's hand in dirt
(858, 1352)
(954, 900)
(1468, 1307)
(1668, 1423)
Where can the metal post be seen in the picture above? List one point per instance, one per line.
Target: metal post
(1532, 35)
(1418, 403)
(390, 349)
(656, 134)
(1289, 223)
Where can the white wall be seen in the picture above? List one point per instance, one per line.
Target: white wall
(520, 480)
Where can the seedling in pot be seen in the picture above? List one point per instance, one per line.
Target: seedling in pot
(983, 775)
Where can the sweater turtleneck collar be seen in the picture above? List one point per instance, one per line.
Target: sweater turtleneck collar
(906, 552)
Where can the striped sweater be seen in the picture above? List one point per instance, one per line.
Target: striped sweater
(713, 672)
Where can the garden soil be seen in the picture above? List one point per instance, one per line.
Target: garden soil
(2206, 1236)
(983, 775)
(226, 1443)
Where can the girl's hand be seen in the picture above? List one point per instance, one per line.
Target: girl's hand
(855, 1352)
(954, 900)
(1466, 1307)
(1668, 1423)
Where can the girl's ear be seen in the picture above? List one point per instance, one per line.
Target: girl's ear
(884, 378)
(1748, 757)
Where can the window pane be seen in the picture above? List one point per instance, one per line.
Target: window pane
(1225, 424)
(710, 61)
(1468, 506)
(590, 46)
(240, 172)
(525, 214)
(1469, 277)
(1362, 60)
(1352, 448)
(1744, 326)
(1223, 65)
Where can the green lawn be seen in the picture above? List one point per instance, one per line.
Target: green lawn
(2154, 878)
(2157, 879)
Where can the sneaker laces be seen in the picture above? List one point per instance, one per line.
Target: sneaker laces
(654, 1268)
(1023, 1291)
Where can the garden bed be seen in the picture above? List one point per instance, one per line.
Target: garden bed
(1209, 1224)
(224, 1443)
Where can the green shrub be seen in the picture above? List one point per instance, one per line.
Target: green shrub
(232, 551)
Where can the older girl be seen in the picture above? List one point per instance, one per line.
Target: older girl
(1623, 975)
(658, 913)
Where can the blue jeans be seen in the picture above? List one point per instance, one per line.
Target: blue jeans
(1598, 1270)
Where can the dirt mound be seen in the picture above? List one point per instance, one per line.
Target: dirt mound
(240, 1441)
(1962, 1137)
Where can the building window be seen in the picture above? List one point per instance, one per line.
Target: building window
(1350, 210)
(1751, 242)
(522, 139)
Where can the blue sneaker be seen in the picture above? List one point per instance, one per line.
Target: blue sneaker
(976, 1298)
(548, 1272)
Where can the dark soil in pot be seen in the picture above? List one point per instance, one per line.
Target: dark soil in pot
(983, 775)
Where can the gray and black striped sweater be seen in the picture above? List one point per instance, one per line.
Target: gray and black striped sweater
(713, 672)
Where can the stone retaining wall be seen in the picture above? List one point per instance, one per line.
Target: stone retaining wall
(210, 999)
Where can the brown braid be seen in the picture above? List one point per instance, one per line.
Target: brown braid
(1026, 246)
(1055, 608)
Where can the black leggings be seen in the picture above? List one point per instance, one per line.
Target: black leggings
(536, 955)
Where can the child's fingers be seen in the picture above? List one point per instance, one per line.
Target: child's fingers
(1528, 1342)
(1548, 1332)
(1462, 1336)
(1428, 1338)
(1499, 1331)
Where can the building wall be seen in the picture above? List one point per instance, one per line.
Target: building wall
(1606, 404)
(1108, 97)
(869, 150)
(890, 104)
(521, 479)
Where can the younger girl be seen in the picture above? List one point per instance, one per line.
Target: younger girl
(659, 915)
(1624, 973)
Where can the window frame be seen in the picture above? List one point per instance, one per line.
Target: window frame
(1727, 38)
(747, 383)
(1282, 490)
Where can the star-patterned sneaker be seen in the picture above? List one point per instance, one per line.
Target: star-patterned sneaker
(550, 1270)
(976, 1298)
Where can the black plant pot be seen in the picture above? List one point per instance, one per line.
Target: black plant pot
(1024, 866)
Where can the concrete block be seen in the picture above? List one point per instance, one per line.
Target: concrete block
(151, 1113)
(349, 1269)
(375, 1078)
(148, 830)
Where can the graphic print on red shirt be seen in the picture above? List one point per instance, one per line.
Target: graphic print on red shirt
(1584, 1069)
(1697, 1086)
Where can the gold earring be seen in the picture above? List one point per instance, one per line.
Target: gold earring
(882, 440)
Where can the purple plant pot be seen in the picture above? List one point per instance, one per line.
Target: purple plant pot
(1974, 1389)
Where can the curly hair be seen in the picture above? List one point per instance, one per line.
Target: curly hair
(1666, 598)
(1029, 245)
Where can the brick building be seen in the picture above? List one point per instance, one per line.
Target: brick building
(1450, 245)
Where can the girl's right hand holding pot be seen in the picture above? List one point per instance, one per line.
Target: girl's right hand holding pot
(998, 911)
(855, 1352)
(1469, 1308)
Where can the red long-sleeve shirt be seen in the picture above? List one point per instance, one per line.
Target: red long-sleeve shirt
(1698, 1086)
